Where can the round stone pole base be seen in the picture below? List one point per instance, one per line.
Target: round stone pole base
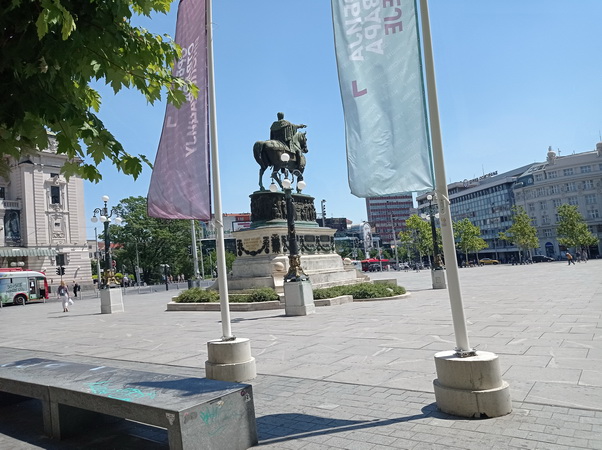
(471, 386)
(230, 360)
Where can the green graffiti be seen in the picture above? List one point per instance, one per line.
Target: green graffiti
(125, 394)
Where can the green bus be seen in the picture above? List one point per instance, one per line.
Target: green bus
(22, 286)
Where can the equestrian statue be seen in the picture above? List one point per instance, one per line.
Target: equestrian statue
(284, 140)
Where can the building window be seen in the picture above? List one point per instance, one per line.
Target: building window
(557, 202)
(593, 214)
(557, 217)
(547, 232)
(2, 193)
(586, 169)
(539, 177)
(573, 201)
(567, 172)
(553, 174)
(555, 189)
(588, 184)
(531, 207)
(590, 199)
(55, 195)
(542, 205)
(571, 187)
(534, 221)
(545, 220)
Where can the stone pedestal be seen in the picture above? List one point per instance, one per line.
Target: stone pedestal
(262, 258)
(230, 360)
(298, 298)
(262, 251)
(438, 278)
(111, 301)
(471, 386)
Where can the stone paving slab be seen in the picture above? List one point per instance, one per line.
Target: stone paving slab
(369, 383)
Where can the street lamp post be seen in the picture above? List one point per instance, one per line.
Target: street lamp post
(298, 293)
(165, 274)
(111, 300)
(105, 217)
(295, 271)
(394, 241)
(437, 274)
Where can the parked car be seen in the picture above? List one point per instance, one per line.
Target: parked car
(374, 268)
(542, 258)
(487, 261)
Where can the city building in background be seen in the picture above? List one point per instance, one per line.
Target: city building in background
(487, 201)
(388, 215)
(42, 218)
(574, 179)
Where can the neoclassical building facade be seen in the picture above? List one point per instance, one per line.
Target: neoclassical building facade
(42, 218)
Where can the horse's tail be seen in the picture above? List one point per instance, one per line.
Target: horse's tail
(258, 154)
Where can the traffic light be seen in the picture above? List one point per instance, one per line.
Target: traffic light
(60, 270)
(190, 250)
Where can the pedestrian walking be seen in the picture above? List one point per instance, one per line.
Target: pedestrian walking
(63, 294)
(76, 288)
(569, 258)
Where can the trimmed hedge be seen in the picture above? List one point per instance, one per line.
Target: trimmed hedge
(360, 291)
(198, 295)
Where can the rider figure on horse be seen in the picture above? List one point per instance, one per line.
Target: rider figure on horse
(283, 131)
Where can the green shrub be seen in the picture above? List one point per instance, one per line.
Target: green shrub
(256, 295)
(197, 295)
(360, 291)
(263, 295)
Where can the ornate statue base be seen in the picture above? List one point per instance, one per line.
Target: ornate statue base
(262, 251)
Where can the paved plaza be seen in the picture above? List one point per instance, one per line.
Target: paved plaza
(353, 376)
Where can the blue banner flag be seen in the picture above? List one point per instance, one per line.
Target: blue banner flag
(380, 76)
(180, 186)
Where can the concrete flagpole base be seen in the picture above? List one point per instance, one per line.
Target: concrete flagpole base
(438, 278)
(298, 298)
(230, 360)
(111, 301)
(471, 386)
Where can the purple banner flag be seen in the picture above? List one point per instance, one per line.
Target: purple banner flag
(180, 185)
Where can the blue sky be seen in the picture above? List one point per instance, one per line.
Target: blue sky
(513, 77)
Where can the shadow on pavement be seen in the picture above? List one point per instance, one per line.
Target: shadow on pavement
(275, 428)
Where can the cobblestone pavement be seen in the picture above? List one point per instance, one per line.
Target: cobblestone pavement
(354, 376)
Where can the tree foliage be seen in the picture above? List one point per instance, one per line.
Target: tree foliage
(468, 237)
(572, 230)
(521, 232)
(52, 51)
(154, 241)
(417, 236)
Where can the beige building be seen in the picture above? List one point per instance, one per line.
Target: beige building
(575, 179)
(42, 218)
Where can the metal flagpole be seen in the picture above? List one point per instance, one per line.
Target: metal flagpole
(447, 232)
(217, 195)
(195, 253)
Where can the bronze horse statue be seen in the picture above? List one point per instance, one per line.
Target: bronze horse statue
(268, 154)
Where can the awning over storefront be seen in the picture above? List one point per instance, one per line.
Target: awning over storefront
(30, 251)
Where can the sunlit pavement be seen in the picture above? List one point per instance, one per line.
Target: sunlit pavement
(359, 375)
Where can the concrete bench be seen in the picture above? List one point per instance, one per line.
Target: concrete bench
(197, 413)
